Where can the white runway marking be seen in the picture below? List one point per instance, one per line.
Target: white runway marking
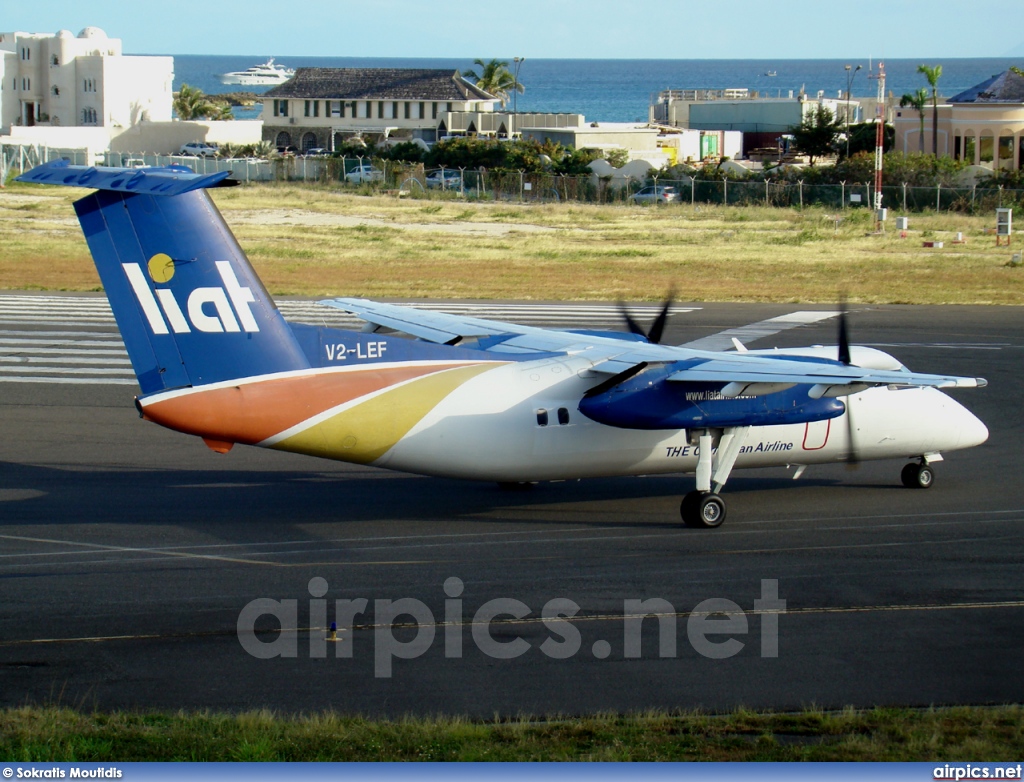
(755, 331)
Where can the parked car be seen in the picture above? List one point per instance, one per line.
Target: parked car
(448, 180)
(364, 173)
(314, 152)
(660, 194)
(200, 149)
(285, 151)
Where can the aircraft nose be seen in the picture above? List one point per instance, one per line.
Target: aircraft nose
(972, 431)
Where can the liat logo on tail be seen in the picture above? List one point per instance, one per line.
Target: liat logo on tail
(162, 309)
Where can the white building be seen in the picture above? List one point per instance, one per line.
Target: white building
(85, 81)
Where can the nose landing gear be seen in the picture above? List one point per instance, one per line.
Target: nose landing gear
(917, 476)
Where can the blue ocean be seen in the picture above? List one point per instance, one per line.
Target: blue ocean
(620, 90)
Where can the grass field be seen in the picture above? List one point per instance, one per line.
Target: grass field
(310, 240)
(955, 734)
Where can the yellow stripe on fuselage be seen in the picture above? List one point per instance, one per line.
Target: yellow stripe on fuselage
(364, 432)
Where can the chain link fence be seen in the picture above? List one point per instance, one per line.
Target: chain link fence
(366, 174)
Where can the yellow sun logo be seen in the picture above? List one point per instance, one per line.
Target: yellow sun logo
(161, 268)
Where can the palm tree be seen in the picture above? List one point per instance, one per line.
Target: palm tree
(495, 79)
(192, 103)
(189, 102)
(932, 73)
(918, 100)
(222, 111)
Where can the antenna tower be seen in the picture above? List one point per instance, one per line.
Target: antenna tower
(879, 145)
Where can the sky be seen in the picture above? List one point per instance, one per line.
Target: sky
(588, 29)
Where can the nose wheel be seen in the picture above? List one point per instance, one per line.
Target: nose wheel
(917, 476)
(702, 510)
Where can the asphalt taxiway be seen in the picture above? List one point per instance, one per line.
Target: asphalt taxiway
(128, 553)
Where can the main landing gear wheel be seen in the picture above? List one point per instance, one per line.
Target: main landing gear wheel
(917, 476)
(702, 510)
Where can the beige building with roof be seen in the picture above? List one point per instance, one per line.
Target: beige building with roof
(983, 125)
(323, 107)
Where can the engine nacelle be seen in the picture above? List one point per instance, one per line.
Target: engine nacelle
(649, 400)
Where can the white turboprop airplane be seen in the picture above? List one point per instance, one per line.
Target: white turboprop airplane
(463, 397)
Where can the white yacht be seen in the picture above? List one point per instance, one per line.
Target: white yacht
(266, 73)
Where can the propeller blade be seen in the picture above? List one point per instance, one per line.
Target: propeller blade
(844, 336)
(657, 330)
(631, 324)
(658, 327)
(852, 459)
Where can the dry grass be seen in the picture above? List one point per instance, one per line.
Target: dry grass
(316, 241)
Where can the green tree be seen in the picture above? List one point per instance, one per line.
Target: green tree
(577, 162)
(918, 100)
(222, 111)
(817, 133)
(192, 103)
(495, 79)
(466, 153)
(864, 137)
(933, 73)
(405, 151)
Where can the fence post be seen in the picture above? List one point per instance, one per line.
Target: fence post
(974, 191)
(842, 195)
(766, 192)
(693, 191)
(938, 197)
(800, 182)
(520, 185)
(725, 191)
(1000, 196)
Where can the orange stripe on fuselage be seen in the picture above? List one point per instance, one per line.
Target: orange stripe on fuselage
(251, 412)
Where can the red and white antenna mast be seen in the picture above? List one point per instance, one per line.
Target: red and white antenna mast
(879, 145)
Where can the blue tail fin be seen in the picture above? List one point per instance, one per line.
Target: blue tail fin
(189, 306)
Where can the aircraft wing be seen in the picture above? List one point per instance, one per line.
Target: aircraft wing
(741, 373)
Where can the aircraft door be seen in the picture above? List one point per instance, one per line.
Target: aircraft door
(816, 434)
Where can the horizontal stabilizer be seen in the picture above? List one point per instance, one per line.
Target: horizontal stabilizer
(163, 181)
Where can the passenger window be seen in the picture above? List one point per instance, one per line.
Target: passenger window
(563, 416)
(542, 418)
